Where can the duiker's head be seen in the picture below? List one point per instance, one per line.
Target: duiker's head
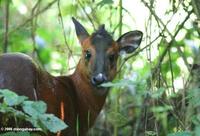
(100, 52)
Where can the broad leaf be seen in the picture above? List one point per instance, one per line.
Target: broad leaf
(11, 98)
(34, 109)
(53, 123)
(16, 134)
(184, 133)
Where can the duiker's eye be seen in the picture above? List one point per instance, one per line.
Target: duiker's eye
(111, 57)
(88, 55)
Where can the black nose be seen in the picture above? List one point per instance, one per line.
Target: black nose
(98, 79)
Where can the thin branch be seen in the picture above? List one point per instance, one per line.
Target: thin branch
(5, 48)
(120, 17)
(33, 26)
(161, 34)
(138, 120)
(30, 18)
(110, 16)
(88, 16)
(115, 28)
(63, 29)
(165, 28)
(171, 69)
(171, 42)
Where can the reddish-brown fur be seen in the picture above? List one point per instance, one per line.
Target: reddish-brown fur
(72, 98)
(74, 92)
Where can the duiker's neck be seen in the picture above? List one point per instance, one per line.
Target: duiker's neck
(89, 95)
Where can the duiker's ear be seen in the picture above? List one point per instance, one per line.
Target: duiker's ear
(81, 32)
(130, 41)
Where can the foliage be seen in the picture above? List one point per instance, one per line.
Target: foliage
(32, 111)
(157, 90)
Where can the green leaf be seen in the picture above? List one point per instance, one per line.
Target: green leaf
(21, 99)
(195, 119)
(11, 98)
(53, 123)
(4, 108)
(117, 118)
(184, 133)
(16, 134)
(105, 2)
(34, 108)
(164, 108)
(157, 94)
(150, 133)
(70, 9)
(175, 68)
(197, 131)
(193, 96)
(120, 83)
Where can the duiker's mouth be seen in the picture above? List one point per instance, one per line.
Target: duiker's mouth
(100, 90)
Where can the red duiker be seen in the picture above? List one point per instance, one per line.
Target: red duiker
(71, 98)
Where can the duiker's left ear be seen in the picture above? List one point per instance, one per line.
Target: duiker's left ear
(81, 32)
(130, 41)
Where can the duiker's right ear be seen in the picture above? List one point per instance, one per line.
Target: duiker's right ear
(130, 41)
(81, 32)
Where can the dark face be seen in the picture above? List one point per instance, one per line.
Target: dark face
(100, 57)
(100, 52)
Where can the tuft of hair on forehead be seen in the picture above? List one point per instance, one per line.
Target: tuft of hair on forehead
(101, 35)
